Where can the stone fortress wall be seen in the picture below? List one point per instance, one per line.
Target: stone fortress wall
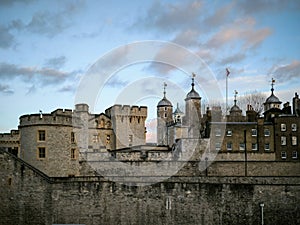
(28, 196)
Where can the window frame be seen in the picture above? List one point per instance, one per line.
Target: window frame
(294, 155)
(41, 135)
(267, 132)
(282, 127)
(40, 155)
(283, 140)
(229, 133)
(254, 144)
(242, 146)
(294, 127)
(254, 132)
(283, 155)
(267, 146)
(229, 146)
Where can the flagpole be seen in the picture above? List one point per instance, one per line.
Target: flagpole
(227, 74)
(226, 93)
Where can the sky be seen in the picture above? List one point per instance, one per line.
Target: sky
(48, 49)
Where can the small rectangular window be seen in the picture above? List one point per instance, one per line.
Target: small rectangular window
(72, 137)
(283, 155)
(41, 152)
(229, 133)
(130, 138)
(242, 146)
(294, 140)
(95, 138)
(229, 146)
(283, 140)
(73, 153)
(295, 155)
(254, 132)
(218, 132)
(267, 132)
(254, 146)
(41, 135)
(283, 127)
(267, 147)
(218, 146)
(294, 127)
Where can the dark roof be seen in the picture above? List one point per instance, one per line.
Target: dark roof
(164, 102)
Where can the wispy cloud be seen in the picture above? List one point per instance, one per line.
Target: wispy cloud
(56, 62)
(288, 71)
(5, 89)
(242, 31)
(44, 76)
(7, 40)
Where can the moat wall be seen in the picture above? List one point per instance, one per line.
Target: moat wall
(30, 197)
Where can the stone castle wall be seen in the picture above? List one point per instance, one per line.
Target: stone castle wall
(30, 197)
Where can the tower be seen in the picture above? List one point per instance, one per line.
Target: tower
(164, 116)
(193, 111)
(272, 104)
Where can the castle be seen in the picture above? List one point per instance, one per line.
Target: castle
(75, 167)
(61, 142)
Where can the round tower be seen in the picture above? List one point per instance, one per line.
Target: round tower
(164, 115)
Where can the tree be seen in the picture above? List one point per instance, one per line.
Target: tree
(255, 99)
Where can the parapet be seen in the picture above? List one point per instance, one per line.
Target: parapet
(82, 107)
(127, 110)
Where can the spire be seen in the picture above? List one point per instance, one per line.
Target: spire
(235, 95)
(193, 80)
(272, 85)
(165, 85)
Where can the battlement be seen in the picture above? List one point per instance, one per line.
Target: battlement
(82, 107)
(127, 110)
(57, 117)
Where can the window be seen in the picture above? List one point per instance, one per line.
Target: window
(295, 155)
(165, 115)
(73, 153)
(242, 146)
(107, 139)
(218, 146)
(218, 132)
(294, 140)
(294, 127)
(254, 132)
(254, 146)
(283, 155)
(283, 140)
(130, 139)
(229, 133)
(95, 138)
(267, 146)
(267, 132)
(283, 127)
(41, 135)
(229, 146)
(41, 152)
(72, 137)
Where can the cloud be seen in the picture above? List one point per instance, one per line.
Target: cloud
(288, 71)
(44, 76)
(242, 31)
(56, 62)
(188, 37)
(68, 88)
(49, 24)
(5, 89)
(171, 17)
(233, 58)
(12, 2)
(6, 38)
(264, 6)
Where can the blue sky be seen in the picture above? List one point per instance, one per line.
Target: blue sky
(47, 47)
